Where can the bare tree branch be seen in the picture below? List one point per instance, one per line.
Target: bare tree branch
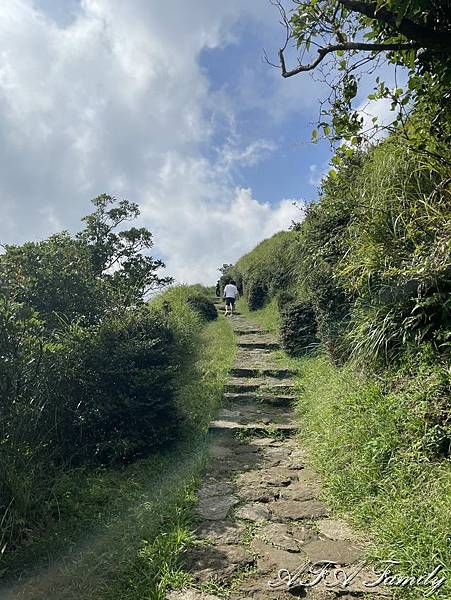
(323, 52)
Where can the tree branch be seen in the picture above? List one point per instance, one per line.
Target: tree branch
(323, 52)
(425, 36)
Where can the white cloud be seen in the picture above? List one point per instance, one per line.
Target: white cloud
(114, 100)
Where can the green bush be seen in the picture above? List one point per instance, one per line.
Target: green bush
(298, 328)
(256, 294)
(114, 389)
(203, 306)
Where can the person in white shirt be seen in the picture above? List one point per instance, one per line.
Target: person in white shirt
(230, 295)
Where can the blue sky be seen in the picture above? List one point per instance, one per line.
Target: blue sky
(170, 105)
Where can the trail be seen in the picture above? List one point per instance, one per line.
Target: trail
(259, 508)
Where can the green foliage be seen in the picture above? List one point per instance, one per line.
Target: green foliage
(397, 264)
(413, 34)
(203, 306)
(117, 255)
(256, 294)
(298, 328)
(266, 270)
(113, 389)
(56, 278)
(380, 453)
(132, 522)
(89, 374)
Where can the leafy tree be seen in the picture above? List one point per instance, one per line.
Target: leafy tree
(84, 278)
(56, 278)
(118, 255)
(356, 35)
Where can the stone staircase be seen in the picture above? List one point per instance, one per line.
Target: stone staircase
(259, 508)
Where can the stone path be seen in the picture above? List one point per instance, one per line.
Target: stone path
(259, 507)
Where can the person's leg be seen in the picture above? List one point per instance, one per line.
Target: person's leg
(226, 307)
(232, 306)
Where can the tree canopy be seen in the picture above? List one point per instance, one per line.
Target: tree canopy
(356, 35)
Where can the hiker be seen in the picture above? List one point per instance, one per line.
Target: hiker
(218, 290)
(230, 295)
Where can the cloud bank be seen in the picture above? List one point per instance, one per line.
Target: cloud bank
(115, 101)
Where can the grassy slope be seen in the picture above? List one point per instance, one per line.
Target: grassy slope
(138, 516)
(366, 445)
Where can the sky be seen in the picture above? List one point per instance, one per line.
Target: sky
(167, 104)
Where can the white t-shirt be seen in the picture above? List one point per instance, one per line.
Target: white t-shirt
(230, 291)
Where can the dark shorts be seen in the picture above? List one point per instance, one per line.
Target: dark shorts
(230, 301)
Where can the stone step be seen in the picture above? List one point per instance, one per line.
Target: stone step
(275, 400)
(259, 345)
(278, 373)
(249, 332)
(220, 426)
(252, 411)
(265, 386)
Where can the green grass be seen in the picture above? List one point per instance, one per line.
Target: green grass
(120, 532)
(268, 317)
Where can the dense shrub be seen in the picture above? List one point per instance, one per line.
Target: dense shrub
(298, 328)
(203, 306)
(256, 294)
(89, 373)
(266, 270)
(114, 389)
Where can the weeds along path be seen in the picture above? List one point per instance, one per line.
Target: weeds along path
(259, 507)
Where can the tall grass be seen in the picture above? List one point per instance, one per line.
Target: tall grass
(369, 445)
(268, 317)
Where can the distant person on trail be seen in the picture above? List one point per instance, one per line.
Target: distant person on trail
(218, 290)
(230, 295)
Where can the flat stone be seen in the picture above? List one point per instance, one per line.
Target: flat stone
(336, 529)
(265, 441)
(220, 532)
(278, 535)
(293, 509)
(190, 594)
(215, 489)
(258, 493)
(277, 452)
(257, 588)
(271, 476)
(216, 562)
(340, 552)
(271, 559)
(254, 511)
(215, 508)
(300, 491)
